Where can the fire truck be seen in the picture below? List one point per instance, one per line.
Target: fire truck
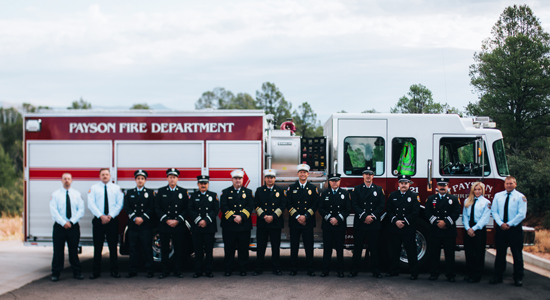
(215, 142)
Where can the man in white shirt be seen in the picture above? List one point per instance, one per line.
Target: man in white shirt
(67, 208)
(105, 200)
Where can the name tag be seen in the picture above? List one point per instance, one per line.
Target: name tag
(229, 197)
(164, 196)
(132, 196)
(295, 191)
(197, 199)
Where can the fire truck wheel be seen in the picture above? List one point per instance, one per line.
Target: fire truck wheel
(156, 247)
(422, 230)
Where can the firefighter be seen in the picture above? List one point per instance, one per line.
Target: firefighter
(270, 202)
(170, 207)
(442, 210)
(475, 216)
(237, 203)
(367, 201)
(303, 198)
(203, 208)
(334, 207)
(105, 200)
(139, 205)
(67, 208)
(509, 209)
(403, 208)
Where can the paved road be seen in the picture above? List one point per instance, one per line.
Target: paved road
(268, 286)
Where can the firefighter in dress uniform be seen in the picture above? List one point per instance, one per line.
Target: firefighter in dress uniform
(475, 216)
(303, 198)
(270, 202)
(203, 208)
(442, 211)
(170, 207)
(140, 206)
(367, 201)
(67, 208)
(105, 201)
(509, 209)
(334, 207)
(403, 208)
(236, 203)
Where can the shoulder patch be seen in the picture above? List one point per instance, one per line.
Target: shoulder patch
(524, 199)
(384, 193)
(418, 198)
(89, 191)
(353, 190)
(459, 201)
(489, 205)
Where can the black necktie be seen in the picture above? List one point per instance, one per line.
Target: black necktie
(505, 219)
(69, 213)
(472, 220)
(106, 209)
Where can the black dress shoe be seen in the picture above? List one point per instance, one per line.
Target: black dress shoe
(518, 282)
(115, 275)
(293, 273)
(311, 273)
(376, 275)
(163, 275)
(414, 277)
(55, 278)
(451, 279)
(392, 274)
(474, 280)
(257, 273)
(209, 275)
(131, 274)
(150, 274)
(467, 278)
(227, 274)
(78, 276)
(352, 274)
(178, 274)
(95, 276)
(341, 274)
(433, 278)
(278, 272)
(323, 274)
(243, 273)
(197, 275)
(495, 280)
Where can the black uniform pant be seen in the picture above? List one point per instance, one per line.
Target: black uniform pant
(408, 241)
(274, 234)
(72, 237)
(475, 253)
(512, 238)
(333, 240)
(100, 232)
(307, 239)
(434, 250)
(372, 237)
(203, 242)
(177, 243)
(236, 240)
(141, 243)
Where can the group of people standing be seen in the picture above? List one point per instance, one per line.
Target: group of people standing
(170, 206)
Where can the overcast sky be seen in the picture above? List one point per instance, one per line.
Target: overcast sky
(336, 55)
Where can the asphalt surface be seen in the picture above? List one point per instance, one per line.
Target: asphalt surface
(268, 286)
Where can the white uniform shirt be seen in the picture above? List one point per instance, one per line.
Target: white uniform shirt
(58, 206)
(482, 213)
(517, 208)
(96, 201)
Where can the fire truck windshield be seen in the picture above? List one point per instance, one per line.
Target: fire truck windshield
(500, 158)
